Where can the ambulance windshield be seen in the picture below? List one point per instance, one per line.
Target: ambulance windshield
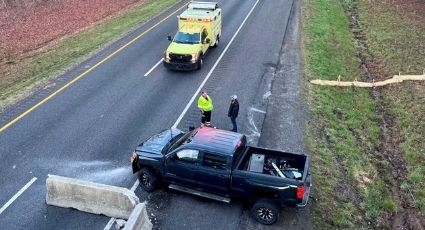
(186, 38)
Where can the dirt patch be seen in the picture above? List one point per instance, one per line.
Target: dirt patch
(412, 9)
(405, 217)
(391, 160)
(24, 29)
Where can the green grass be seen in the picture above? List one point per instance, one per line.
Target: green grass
(396, 37)
(345, 134)
(44, 64)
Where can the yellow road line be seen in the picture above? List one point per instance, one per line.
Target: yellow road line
(84, 73)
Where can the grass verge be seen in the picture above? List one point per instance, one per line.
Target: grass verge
(344, 135)
(396, 35)
(36, 68)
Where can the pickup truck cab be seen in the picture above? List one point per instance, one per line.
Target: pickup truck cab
(218, 164)
(199, 28)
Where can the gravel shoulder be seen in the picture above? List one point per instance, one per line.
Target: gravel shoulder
(283, 126)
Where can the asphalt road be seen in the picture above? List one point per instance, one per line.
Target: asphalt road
(89, 130)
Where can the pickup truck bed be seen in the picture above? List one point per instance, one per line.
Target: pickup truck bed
(256, 175)
(260, 160)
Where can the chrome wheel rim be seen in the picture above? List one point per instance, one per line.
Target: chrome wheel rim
(265, 214)
(146, 181)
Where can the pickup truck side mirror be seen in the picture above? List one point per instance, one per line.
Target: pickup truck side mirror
(208, 40)
(169, 38)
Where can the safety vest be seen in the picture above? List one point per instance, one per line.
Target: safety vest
(204, 104)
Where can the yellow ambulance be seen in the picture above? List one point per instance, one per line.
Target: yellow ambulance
(199, 28)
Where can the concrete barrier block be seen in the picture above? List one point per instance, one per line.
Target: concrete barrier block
(138, 219)
(90, 197)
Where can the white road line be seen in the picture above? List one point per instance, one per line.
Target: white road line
(213, 68)
(112, 220)
(110, 223)
(156, 65)
(17, 194)
(133, 188)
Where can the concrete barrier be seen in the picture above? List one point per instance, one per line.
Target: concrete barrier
(138, 219)
(90, 197)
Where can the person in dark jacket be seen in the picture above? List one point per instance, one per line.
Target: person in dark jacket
(233, 112)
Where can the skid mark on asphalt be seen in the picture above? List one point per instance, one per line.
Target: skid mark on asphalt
(257, 112)
(254, 132)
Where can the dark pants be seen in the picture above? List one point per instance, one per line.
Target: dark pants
(206, 118)
(235, 126)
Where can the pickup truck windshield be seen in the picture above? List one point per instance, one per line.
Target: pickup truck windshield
(187, 38)
(177, 141)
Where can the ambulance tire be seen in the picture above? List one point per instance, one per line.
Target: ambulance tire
(200, 63)
(217, 40)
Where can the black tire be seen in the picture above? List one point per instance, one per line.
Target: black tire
(265, 211)
(148, 180)
(217, 41)
(200, 63)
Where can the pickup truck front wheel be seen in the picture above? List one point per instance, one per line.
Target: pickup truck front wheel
(148, 180)
(265, 211)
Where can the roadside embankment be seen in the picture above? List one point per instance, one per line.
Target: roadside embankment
(365, 143)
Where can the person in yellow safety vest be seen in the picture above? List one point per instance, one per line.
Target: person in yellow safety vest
(205, 104)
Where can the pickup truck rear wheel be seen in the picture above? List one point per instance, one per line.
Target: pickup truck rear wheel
(265, 211)
(148, 180)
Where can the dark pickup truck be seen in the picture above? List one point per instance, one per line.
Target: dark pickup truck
(218, 164)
